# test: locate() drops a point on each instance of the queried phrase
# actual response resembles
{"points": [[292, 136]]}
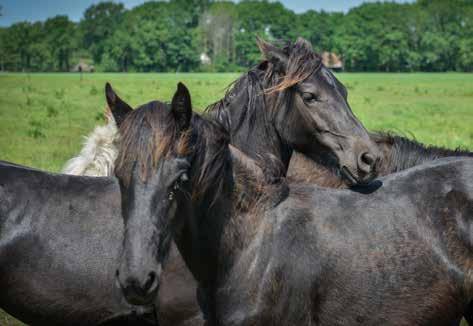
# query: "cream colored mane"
{"points": [[99, 152]]}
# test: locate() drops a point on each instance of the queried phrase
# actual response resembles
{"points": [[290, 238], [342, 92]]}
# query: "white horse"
{"points": [[99, 151]]}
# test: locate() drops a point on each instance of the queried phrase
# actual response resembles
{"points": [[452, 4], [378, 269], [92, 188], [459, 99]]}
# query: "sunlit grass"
{"points": [[44, 116]]}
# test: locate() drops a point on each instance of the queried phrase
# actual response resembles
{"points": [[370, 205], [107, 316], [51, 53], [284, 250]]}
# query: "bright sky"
{"points": [[34, 10]]}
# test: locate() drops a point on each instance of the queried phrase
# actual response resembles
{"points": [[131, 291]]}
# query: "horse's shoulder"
{"points": [[32, 183]]}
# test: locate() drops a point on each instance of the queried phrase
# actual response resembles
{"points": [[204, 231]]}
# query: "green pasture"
{"points": [[43, 117]]}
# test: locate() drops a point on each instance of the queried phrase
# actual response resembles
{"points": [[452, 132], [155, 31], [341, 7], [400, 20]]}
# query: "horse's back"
{"points": [[393, 246], [59, 239]]}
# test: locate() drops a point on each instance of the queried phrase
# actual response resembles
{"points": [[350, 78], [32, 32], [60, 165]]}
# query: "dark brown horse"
{"points": [[398, 253], [290, 101]]}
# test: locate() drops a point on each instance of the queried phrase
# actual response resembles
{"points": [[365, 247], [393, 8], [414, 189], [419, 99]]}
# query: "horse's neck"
{"points": [[227, 226], [304, 169], [400, 153], [250, 123]]}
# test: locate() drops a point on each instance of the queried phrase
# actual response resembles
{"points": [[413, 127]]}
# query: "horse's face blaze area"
{"points": [[330, 127], [153, 167]]}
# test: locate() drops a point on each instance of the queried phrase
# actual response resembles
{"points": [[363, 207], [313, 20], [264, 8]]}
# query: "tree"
{"points": [[217, 31], [99, 23], [154, 36], [270, 20], [60, 36], [428, 35], [17, 43]]}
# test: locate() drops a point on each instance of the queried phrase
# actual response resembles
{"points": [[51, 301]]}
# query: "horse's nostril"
{"points": [[150, 281], [368, 159]]}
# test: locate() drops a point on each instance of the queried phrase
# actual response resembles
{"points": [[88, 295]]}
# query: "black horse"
{"points": [[397, 154], [60, 239], [399, 254], [285, 103], [58, 234]]}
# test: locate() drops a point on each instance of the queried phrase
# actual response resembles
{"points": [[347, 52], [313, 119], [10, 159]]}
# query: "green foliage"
{"points": [[171, 36], [99, 23]]}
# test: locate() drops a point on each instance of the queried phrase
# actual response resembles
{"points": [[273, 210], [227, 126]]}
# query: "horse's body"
{"points": [[398, 256], [60, 238], [396, 253], [398, 154]]}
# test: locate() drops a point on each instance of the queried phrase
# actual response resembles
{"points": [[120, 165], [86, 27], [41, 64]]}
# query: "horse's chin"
{"points": [[145, 315], [352, 179]]}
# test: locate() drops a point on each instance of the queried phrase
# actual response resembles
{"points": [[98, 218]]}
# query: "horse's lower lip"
{"points": [[349, 176]]}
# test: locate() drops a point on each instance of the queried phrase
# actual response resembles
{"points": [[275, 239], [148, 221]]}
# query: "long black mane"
{"points": [[402, 153], [251, 103]]}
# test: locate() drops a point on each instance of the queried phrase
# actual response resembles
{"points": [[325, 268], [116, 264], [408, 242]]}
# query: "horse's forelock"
{"points": [[302, 62], [147, 134]]}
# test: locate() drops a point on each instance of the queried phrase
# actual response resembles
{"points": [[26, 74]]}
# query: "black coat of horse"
{"points": [[58, 234], [60, 239], [292, 102], [396, 253]]}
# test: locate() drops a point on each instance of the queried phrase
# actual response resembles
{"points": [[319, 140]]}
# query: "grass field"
{"points": [[44, 116]]}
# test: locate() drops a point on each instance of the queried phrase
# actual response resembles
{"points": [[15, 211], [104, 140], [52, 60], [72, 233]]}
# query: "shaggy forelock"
{"points": [[148, 134], [302, 62]]}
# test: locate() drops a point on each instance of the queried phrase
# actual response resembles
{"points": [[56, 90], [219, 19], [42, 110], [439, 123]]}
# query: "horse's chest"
{"points": [[265, 292]]}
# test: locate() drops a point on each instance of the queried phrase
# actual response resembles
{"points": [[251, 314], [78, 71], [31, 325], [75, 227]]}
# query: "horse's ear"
{"points": [[181, 107], [272, 53], [118, 107]]}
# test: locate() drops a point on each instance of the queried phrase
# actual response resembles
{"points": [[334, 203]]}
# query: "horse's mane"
{"points": [[252, 100], [99, 151], [268, 77], [252, 179], [401, 153], [150, 133], [146, 135]]}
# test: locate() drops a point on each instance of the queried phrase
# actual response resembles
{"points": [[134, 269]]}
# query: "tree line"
{"points": [[206, 35]]}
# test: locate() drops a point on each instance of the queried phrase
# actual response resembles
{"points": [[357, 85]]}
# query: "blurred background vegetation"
{"points": [[43, 117], [217, 36]]}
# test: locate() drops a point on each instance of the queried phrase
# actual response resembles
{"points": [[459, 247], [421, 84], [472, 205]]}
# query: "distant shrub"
{"points": [[51, 111], [59, 94], [36, 129], [99, 117], [93, 91], [107, 64]]}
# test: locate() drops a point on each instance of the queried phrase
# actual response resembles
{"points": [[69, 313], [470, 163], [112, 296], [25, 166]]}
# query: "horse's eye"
{"points": [[183, 178], [309, 97]]}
